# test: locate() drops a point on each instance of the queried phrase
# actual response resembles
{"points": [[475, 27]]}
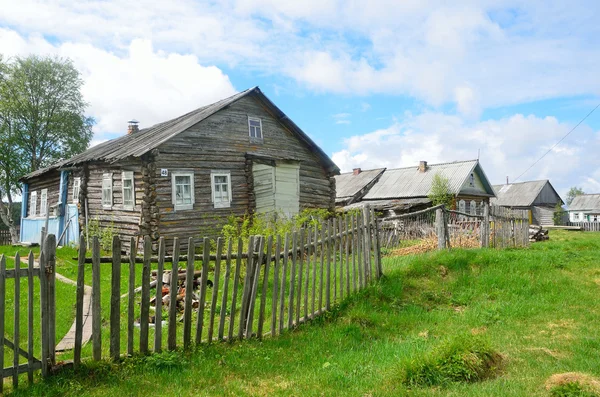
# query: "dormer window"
{"points": [[255, 129], [472, 180]]}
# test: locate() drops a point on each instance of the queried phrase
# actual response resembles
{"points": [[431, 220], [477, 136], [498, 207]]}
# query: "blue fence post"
{"points": [[24, 204]]}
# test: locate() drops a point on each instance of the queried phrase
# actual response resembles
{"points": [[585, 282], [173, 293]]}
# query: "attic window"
{"points": [[255, 128], [472, 180]]}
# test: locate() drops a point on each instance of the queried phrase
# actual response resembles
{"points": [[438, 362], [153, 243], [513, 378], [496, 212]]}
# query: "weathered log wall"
{"points": [[50, 181]]}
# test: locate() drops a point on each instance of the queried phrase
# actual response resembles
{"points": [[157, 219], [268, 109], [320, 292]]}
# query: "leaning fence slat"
{"points": [[286, 249], [215, 291], [30, 263], [17, 320], [236, 280], [292, 280], [300, 269], [187, 303], [367, 249], [145, 304], [174, 283], [321, 267], [253, 294], [96, 308], [359, 251], [314, 273], [160, 268], [247, 289], [263, 295], [131, 296], [44, 314], [341, 240], [275, 286], [328, 270], [115, 300], [307, 276], [50, 250], [203, 284], [79, 301], [2, 312], [354, 249], [223, 313]]}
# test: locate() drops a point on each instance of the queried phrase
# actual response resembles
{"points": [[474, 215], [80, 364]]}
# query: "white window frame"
{"points": [[107, 184], [128, 175], [250, 127], [76, 188], [43, 202], [33, 204], [576, 216], [181, 207], [473, 207], [213, 175]]}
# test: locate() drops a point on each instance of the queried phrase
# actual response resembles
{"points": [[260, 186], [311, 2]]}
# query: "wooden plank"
{"points": [[367, 250], [131, 296], [79, 301], [115, 300], [50, 250], [174, 284], [359, 251], [347, 244], [225, 296], [292, 280], [377, 254], [215, 291], [314, 273], [187, 304], [247, 289], [263, 295], [341, 240], [236, 280], [96, 308], [254, 292], [160, 269], [334, 254], [30, 293], [322, 266], [307, 277], [203, 285], [328, 269], [17, 319], [2, 313], [145, 304], [354, 249], [22, 368], [275, 296], [300, 269], [44, 315], [282, 285]]}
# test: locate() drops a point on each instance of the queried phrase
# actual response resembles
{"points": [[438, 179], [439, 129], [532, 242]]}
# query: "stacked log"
{"points": [[537, 233]]}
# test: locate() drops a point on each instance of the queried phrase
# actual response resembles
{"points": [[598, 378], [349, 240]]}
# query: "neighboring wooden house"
{"points": [[406, 189], [185, 176], [585, 208], [538, 197], [352, 186]]}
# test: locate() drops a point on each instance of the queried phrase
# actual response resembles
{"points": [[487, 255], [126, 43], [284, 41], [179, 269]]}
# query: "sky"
{"points": [[379, 83]]}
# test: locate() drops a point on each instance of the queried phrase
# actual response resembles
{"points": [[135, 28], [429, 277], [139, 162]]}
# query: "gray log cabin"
{"points": [[184, 177]]}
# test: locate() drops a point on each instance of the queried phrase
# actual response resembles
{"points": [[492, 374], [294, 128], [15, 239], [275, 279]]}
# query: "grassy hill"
{"points": [[459, 323]]}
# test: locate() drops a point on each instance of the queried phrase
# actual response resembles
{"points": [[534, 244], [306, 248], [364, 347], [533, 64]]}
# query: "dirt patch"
{"points": [[478, 331], [586, 383], [545, 350]]}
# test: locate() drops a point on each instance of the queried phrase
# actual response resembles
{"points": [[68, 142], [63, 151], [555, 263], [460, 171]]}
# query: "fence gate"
{"points": [[20, 348]]}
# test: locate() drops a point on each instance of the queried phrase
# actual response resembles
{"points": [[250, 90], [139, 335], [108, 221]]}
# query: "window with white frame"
{"points": [[76, 187], [33, 205], [221, 188], [183, 190], [255, 127], [128, 190], [44, 202], [473, 208], [107, 191], [576, 216]]}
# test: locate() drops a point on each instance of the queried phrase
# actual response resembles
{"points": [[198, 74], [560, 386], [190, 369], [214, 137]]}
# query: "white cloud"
{"points": [[508, 147], [342, 118], [150, 86]]}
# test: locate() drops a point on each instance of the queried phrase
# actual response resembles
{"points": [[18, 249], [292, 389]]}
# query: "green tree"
{"points": [[440, 191], [572, 193], [559, 213], [42, 120]]}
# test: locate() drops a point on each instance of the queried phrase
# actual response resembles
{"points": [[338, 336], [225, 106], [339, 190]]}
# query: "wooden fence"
{"points": [[5, 237], [586, 226]]}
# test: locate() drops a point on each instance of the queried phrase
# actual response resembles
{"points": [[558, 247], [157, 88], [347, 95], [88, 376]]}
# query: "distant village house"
{"points": [[538, 197], [585, 208]]}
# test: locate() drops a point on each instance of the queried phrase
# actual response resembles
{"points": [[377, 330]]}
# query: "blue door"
{"points": [[71, 225]]}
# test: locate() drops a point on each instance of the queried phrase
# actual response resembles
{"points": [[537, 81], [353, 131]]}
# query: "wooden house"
{"points": [[406, 189], [184, 177], [585, 208], [538, 197]]}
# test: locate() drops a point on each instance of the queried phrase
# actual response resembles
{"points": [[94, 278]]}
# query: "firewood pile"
{"points": [[536, 233]]}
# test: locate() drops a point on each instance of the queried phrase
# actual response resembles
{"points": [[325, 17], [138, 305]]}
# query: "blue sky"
{"points": [[378, 83]]}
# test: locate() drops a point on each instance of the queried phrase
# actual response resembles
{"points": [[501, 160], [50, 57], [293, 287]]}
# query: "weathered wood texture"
{"points": [[50, 181]]}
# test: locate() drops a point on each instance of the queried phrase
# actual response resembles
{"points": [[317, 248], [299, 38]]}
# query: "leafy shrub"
{"points": [[571, 389], [464, 359], [165, 361], [105, 234]]}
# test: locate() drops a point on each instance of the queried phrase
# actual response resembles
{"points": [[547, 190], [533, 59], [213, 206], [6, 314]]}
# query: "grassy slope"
{"points": [[538, 307]]}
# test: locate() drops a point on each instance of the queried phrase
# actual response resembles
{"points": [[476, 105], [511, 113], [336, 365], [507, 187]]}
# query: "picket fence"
{"points": [[586, 226]]}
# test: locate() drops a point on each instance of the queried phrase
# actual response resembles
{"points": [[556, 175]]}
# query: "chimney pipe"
{"points": [[507, 179], [356, 171], [422, 166], [133, 126]]}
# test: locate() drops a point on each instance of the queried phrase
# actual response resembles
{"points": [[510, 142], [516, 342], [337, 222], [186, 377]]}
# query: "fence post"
{"points": [[375, 228], [441, 230], [50, 274], [485, 226]]}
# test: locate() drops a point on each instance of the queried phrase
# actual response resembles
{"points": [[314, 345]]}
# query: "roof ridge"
{"points": [[372, 169], [431, 165]]}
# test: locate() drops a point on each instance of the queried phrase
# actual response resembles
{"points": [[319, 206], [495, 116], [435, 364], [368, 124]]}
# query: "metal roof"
{"points": [[586, 202], [410, 182], [348, 184], [521, 194], [389, 204], [141, 142]]}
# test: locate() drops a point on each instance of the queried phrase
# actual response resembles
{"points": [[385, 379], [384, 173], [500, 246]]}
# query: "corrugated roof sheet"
{"points": [[521, 194], [586, 202], [410, 182], [389, 204], [348, 184], [141, 142]]}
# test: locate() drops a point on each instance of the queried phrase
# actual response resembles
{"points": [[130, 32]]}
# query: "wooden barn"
{"points": [[538, 197], [402, 190], [184, 177]]}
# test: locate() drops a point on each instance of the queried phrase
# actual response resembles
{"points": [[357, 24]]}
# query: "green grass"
{"points": [[536, 308]]}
